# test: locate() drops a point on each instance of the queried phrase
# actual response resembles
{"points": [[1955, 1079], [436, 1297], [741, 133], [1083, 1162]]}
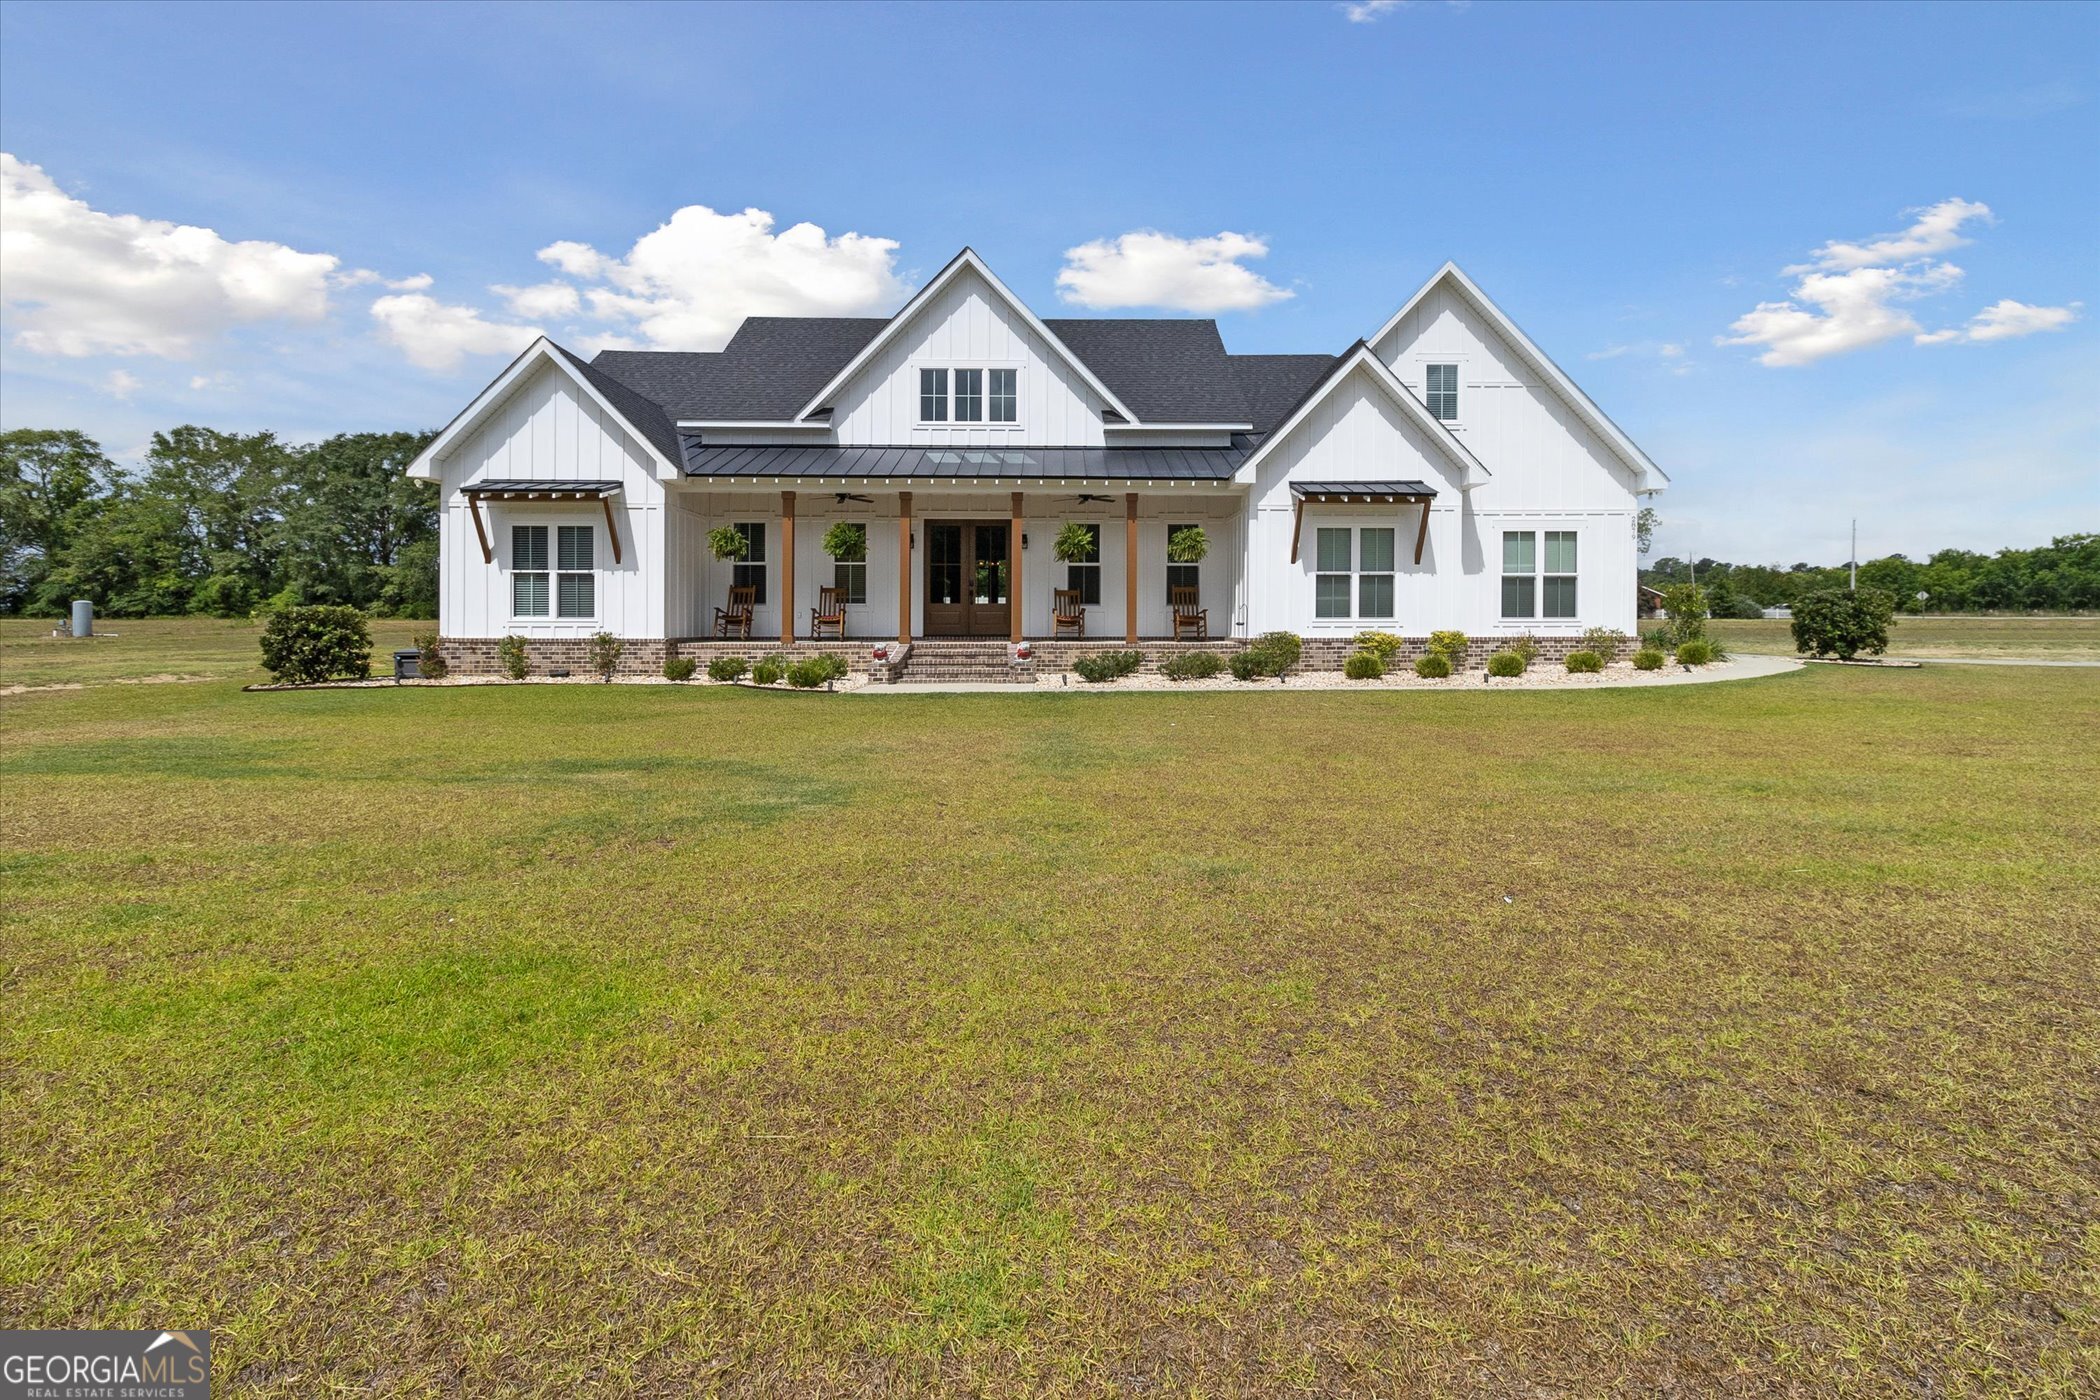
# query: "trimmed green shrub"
{"points": [[1648, 659], [1433, 666], [1586, 662], [1245, 666], [1364, 666], [727, 542], [430, 661], [1450, 645], [605, 654], [1524, 647], [1274, 652], [1606, 642], [1107, 665], [727, 668], [680, 668], [1192, 666], [811, 672], [301, 645], [510, 657], [832, 665], [1187, 545], [1505, 664], [1384, 644], [1696, 652], [1837, 622], [768, 671]]}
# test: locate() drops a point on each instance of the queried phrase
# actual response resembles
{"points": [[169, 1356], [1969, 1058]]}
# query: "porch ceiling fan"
{"points": [[1083, 498], [845, 496]]}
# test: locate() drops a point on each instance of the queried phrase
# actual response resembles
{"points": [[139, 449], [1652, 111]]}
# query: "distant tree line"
{"points": [[2061, 576], [216, 523]]}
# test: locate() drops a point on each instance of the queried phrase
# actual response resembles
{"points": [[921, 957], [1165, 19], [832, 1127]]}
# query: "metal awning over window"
{"points": [[1361, 493], [599, 491]]}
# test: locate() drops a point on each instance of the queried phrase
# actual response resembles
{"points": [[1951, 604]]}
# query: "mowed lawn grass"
{"points": [[165, 649], [2064, 638], [1716, 1039]]}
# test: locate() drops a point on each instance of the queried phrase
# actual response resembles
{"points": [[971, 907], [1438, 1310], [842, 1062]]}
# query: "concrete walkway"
{"points": [[1741, 667]]}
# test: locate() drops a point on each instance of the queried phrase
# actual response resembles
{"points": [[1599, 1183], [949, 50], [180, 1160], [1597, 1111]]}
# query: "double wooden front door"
{"points": [[967, 578]]}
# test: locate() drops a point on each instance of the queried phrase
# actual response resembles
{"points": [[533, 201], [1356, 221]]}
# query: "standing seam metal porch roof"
{"points": [[964, 463]]}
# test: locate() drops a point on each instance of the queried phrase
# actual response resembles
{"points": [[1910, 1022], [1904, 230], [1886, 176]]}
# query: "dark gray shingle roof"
{"points": [[1273, 385], [766, 373], [1167, 371]]}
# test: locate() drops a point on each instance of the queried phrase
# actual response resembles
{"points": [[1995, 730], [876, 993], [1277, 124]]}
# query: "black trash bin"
{"points": [[408, 665]]}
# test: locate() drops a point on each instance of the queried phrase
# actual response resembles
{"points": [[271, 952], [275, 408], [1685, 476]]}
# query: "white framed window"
{"points": [[1442, 384], [969, 396], [1084, 574], [575, 576], [750, 571], [1353, 571], [933, 396], [850, 577], [1530, 590], [567, 590], [529, 592], [1182, 575]]}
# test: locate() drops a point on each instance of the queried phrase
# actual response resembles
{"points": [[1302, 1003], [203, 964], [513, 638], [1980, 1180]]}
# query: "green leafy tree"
{"points": [[356, 529], [51, 485], [1842, 623]]}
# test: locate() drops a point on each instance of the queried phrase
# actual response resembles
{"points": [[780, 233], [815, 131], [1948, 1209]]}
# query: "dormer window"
{"points": [[969, 395], [933, 396], [1443, 391]]}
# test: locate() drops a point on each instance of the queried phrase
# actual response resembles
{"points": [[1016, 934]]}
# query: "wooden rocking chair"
{"points": [[1187, 616], [735, 620], [1067, 614], [829, 614]]}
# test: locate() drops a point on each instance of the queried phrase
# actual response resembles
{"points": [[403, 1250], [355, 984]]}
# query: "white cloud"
{"points": [[1850, 295], [543, 300], [121, 384], [437, 336], [1152, 269], [82, 282], [1936, 230], [1844, 311], [690, 283], [420, 282], [1670, 353], [2006, 320], [1365, 11]]}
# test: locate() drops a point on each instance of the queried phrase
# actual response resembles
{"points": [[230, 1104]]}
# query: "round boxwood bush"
{"points": [[768, 671], [1505, 664], [1270, 654], [1586, 661], [1192, 666], [1648, 659], [1108, 666], [317, 642], [1433, 666], [1364, 666], [680, 668], [1385, 644], [1694, 652], [727, 668]]}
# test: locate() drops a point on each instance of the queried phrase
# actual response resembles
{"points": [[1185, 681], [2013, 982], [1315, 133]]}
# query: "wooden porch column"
{"points": [[904, 566], [787, 568], [1013, 582], [1130, 567]]}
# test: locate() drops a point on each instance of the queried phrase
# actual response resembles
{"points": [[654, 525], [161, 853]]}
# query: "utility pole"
{"points": [[1855, 554]]}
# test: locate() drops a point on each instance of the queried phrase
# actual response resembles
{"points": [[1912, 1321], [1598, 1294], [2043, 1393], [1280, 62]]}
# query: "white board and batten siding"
{"points": [[550, 430], [967, 325], [1358, 434]]}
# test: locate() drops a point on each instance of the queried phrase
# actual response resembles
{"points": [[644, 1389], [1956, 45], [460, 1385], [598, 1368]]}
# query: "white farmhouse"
{"points": [[1441, 473]]}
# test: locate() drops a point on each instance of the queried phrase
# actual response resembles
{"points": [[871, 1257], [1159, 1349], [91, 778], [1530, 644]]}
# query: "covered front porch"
{"points": [[946, 559]]}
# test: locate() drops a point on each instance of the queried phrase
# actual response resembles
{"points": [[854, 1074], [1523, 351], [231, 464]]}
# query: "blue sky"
{"points": [[1630, 183]]}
